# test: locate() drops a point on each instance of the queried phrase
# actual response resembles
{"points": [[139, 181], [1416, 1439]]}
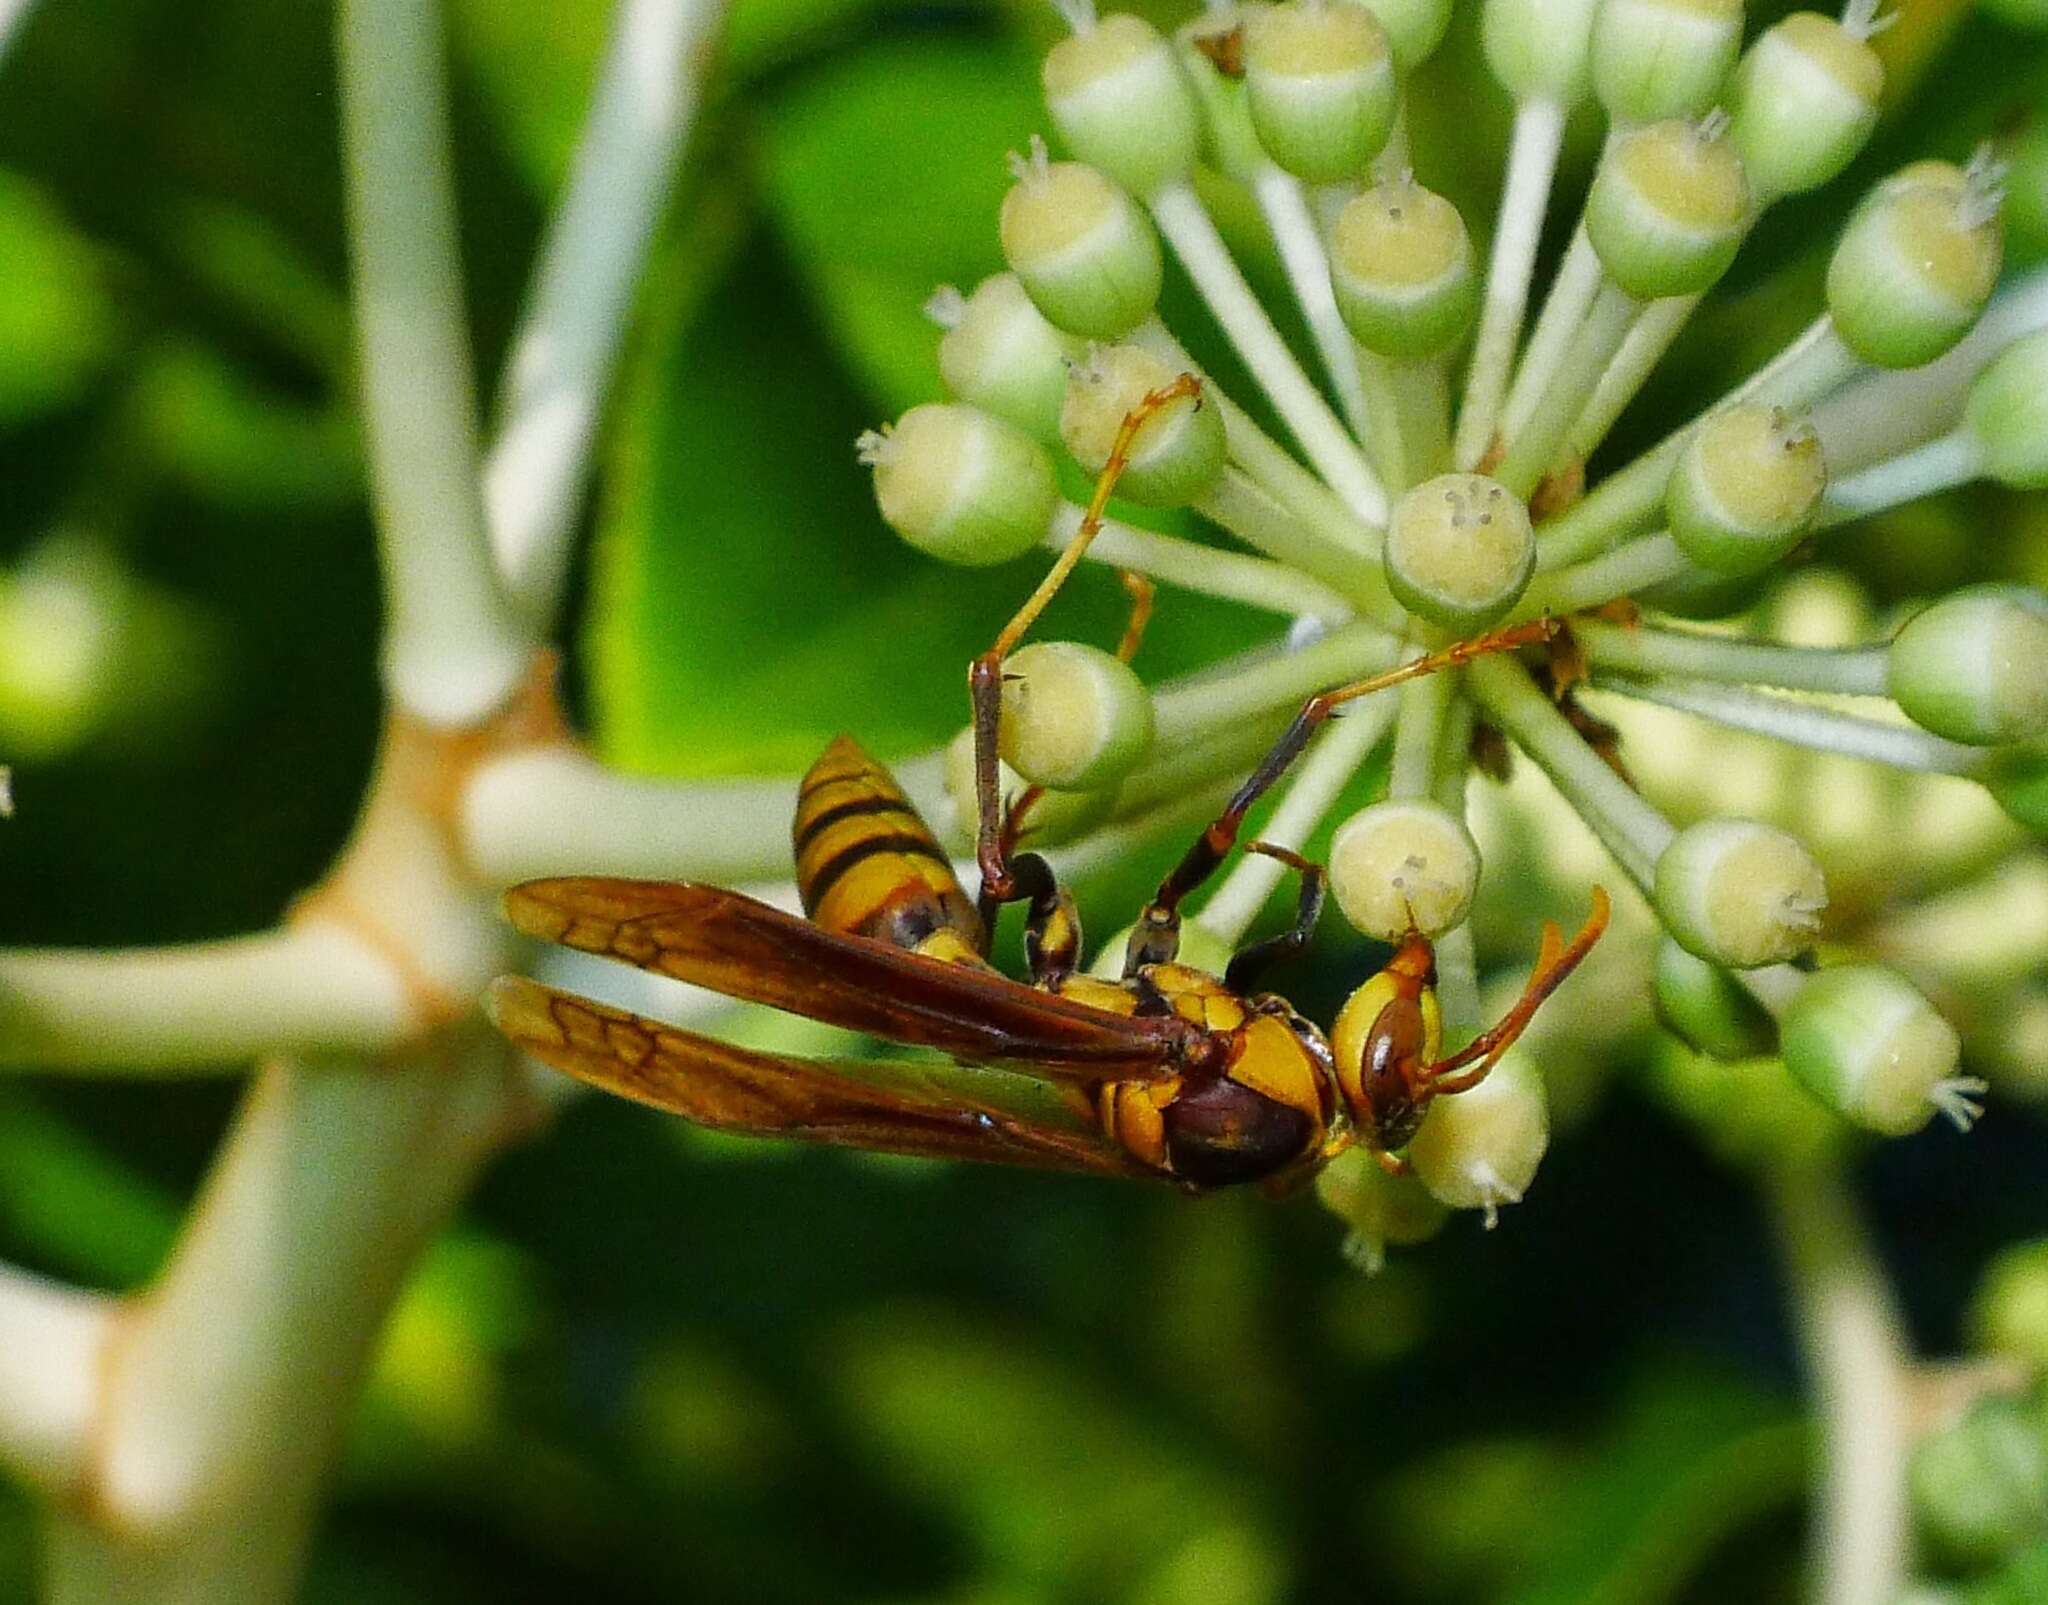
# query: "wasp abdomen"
{"points": [[1222, 1132]]}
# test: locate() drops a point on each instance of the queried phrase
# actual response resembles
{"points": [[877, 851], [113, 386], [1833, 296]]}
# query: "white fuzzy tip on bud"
{"points": [[1121, 102], [999, 353], [2008, 413], [1480, 1149], [1974, 666], [1401, 267], [1805, 99], [1084, 252], [1459, 550], [1057, 816], [1399, 866], [1414, 29], [1739, 893], [961, 485], [1538, 49], [1177, 452], [1864, 1042], [1379, 1209], [1745, 489], [1917, 262], [1319, 81], [1200, 949], [1655, 59], [1074, 717], [1668, 208]]}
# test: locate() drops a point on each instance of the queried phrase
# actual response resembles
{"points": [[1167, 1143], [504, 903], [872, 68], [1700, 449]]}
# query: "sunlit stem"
{"points": [[1256, 582], [1525, 194], [1733, 660], [1806, 724], [1564, 310], [1307, 264], [1188, 228], [52, 1350], [1651, 336], [1534, 449], [1631, 567], [1419, 735], [1633, 832], [1411, 400], [1320, 778], [1261, 522], [1954, 459]]}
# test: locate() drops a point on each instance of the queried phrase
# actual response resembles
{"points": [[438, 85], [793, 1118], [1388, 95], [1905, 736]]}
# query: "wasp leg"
{"points": [[1245, 969], [999, 880]]}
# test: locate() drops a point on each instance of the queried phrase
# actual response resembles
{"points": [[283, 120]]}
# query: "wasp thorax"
{"points": [[1398, 867], [1176, 453], [1074, 717], [1084, 252], [1460, 550]]}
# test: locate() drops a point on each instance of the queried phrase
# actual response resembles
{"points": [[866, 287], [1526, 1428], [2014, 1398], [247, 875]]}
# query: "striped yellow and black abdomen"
{"points": [[868, 865]]}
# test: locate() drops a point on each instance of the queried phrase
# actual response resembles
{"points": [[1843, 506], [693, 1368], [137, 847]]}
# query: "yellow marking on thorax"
{"points": [[1099, 994], [1432, 1026], [1198, 996], [1272, 1060]]}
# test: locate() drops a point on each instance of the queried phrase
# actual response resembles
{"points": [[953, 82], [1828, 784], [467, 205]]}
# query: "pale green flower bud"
{"points": [[1805, 99], [2008, 413], [1057, 816], [1200, 949], [1668, 208], [1120, 101], [1655, 59], [1401, 266], [1177, 452], [1400, 865], [1459, 550], [1745, 489], [1974, 666], [1916, 264], [2009, 1315], [1229, 142], [2018, 781], [1864, 1042], [1707, 1008], [1319, 80], [1538, 48], [961, 485], [1739, 893], [1378, 1208], [999, 353], [1074, 717], [1414, 29], [1980, 1488], [1479, 1149], [1083, 250]]}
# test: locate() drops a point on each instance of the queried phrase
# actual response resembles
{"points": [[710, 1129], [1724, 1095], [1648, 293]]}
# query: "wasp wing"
{"points": [[938, 1110], [737, 945]]}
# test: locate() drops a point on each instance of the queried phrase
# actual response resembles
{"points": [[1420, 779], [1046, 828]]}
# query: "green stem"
{"points": [[1256, 582], [1424, 704], [1645, 561], [1733, 660], [1238, 504], [1209, 703], [1307, 263], [1534, 448]]}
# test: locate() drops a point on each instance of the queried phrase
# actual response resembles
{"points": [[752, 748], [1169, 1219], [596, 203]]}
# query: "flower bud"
{"points": [[1215, 39], [1200, 949], [1399, 866], [1057, 816], [1707, 1008], [1401, 266], [1980, 1488], [1805, 99], [1378, 1208], [1177, 452], [1084, 252], [1414, 29], [1668, 208], [960, 485], [1480, 1149], [2008, 413], [1074, 717], [1974, 667], [2017, 779], [1538, 48], [999, 353], [1745, 489], [1319, 80], [1120, 101], [1654, 59], [2009, 1315], [1916, 264], [1459, 550], [1739, 893], [1864, 1042]]}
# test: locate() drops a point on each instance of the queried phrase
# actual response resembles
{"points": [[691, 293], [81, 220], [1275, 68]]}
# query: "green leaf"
{"points": [[58, 323], [535, 66]]}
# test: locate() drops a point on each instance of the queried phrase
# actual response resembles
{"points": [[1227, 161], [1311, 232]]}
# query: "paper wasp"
{"points": [[1165, 1072]]}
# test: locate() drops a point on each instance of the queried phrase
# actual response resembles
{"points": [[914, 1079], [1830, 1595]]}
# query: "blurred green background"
{"points": [[648, 1365]]}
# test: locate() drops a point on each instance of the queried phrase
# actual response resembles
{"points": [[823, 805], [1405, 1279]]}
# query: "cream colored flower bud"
{"points": [[1118, 97], [1480, 1149], [1805, 99], [1916, 264], [1074, 717], [962, 485], [1459, 550], [1745, 489], [1397, 866], [1001, 354], [1654, 59], [1086, 255], [1870, 1047], [1668, 208], [1319, 80], [1378, 1208], [1401, 267], [1177, 452], [1740, 893]]}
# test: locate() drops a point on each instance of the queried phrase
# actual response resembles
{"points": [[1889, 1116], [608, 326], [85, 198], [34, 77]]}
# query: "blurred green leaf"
{"points": [[58, 322], [535, 66], [83, 1215]]}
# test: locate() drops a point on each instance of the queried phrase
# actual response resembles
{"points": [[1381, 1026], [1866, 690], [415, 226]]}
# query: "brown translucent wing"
{"points": [[938, 1110], [737, 945]]}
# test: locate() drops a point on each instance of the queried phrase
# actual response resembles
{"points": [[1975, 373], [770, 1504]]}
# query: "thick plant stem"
{"points": [[1856, 1353], [1300, 244], [1534, 449], [1256, 582], [455, 648], [568, 342], [1733, 659], [1564, 309]]}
